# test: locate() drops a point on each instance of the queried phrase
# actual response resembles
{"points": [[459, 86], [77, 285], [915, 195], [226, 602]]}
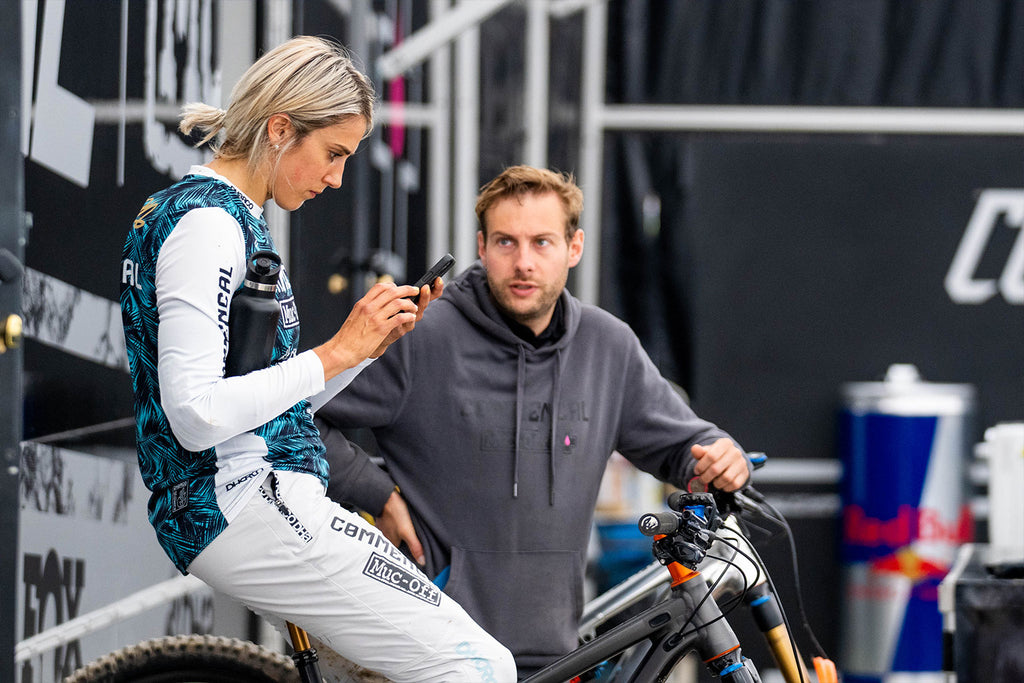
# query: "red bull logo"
{"points": [[887, 546], [924, 574], [910, 524]]}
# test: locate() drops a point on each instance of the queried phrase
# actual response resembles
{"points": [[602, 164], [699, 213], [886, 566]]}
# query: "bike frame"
{"points": [[689, 620], [726, 570], [732, 571]]}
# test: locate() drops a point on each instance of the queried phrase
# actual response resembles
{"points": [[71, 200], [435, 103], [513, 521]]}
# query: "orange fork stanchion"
{"points": [[305, 657]]}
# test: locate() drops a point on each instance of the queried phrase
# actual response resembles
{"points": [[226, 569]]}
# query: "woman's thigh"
{"points": [[293, 554]]}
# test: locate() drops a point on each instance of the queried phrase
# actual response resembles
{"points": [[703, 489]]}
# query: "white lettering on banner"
{"points": [[962, 285], [58, 131], [59, 136], [190, 25]]}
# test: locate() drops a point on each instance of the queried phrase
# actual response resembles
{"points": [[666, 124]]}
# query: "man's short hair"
{"points": [[517, 181]]}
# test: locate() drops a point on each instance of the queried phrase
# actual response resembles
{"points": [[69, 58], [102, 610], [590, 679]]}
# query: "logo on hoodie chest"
{"points": [[534, 440], [535, 433], [540, 411]]}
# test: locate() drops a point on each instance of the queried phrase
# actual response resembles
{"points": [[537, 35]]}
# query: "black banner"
{"points": [[818, 261]]}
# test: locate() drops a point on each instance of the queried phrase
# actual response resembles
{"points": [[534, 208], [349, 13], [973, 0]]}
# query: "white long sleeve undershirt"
{"points": [[204, 408]]}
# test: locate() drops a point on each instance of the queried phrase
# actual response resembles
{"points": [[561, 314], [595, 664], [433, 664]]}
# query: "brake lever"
{"points": [[749, 499]]}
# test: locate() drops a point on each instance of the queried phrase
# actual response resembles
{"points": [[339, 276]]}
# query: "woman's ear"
{"points": [[279, 129]]}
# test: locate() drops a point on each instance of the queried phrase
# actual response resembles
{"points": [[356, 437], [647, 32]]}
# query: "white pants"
{"points": [[293, 554]]}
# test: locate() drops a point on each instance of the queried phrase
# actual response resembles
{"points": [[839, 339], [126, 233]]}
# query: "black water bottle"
{"points": [[252, 323]]}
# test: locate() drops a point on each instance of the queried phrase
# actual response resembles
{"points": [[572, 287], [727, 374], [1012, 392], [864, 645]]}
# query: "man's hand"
{"points": [[427, 294], [396, 524], [721, 465]]}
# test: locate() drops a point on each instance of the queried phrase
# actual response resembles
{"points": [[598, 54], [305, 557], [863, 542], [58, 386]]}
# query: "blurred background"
{"points": [[782, 198]]}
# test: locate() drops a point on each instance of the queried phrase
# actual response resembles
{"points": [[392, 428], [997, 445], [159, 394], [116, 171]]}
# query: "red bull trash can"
{"points": [[905, 445]]}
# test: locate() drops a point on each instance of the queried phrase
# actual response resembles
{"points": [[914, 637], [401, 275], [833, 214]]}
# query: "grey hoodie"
{"points": [[500, 493]]}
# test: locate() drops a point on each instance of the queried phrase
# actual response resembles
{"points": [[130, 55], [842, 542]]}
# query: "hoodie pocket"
{"points": [[528, 600]]}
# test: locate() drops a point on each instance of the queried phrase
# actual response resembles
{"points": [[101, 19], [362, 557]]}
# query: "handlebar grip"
{"points": [[658, 523], [757, 459]]}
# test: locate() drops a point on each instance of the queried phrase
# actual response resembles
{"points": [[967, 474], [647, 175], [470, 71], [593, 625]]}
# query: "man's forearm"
{"points": [[354, 479]]}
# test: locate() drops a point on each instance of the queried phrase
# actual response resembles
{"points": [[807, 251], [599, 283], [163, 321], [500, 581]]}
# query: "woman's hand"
{"points": [[427, 294], [384, 311]]}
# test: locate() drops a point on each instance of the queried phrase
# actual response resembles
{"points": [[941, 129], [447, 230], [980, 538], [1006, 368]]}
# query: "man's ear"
{"points": [[576, 248], [481, 242]]}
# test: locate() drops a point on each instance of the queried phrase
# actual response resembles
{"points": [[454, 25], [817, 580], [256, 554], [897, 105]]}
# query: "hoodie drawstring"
{"points": [[520, 381], [556, 391]]}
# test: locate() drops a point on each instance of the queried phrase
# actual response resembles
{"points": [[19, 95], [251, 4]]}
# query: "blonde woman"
{"points": [[235, 464]]}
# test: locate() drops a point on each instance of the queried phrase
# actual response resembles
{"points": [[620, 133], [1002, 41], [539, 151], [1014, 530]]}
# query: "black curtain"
{"points": [[906, 53]]}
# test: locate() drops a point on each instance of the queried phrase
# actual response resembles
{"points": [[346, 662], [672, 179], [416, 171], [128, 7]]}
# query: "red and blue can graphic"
{"points": [[905, 446]]}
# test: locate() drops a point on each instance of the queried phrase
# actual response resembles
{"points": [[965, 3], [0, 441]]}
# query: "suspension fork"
{"points": [[304, 655], [768, 616], [716, 643]]}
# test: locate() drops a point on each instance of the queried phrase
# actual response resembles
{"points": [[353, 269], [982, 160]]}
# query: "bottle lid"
{"points": [[263, 268]]}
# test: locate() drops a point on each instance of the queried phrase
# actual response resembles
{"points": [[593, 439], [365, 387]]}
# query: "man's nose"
{"points": [[524, 259]]}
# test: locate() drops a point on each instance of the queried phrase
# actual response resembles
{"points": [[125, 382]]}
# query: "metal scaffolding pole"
{"points": [[892, 120], [538, 63], [467, 144], [441, 30], [595, 30], [12, 236], [439, 180]]}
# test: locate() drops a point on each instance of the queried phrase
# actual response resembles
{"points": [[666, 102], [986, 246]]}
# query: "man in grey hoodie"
{"points": [[497, 418]]}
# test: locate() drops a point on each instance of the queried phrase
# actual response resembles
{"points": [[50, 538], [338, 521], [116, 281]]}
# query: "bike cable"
{"points": [[710, 593], [823, 664], [732, 601], [732, 604], [785, 617], [755, 559]]}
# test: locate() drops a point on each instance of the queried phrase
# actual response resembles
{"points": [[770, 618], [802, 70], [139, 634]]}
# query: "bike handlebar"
{"points": [[659, 523]]}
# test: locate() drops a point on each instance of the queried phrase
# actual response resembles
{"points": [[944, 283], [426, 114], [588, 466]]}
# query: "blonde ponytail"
{"points": [[209, 120]]}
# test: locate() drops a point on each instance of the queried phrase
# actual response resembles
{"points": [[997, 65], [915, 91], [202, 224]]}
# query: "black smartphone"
{"points": [[443, 265]]}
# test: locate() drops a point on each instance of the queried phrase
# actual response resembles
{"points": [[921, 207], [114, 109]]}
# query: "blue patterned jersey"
{"points": [[187, 504]]}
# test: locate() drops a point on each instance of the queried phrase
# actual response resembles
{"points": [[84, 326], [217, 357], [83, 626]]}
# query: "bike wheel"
{"points": [[189, 659]]}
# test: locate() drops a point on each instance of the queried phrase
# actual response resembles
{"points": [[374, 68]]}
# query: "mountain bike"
{"points": [[712, 569], [704, 568]]}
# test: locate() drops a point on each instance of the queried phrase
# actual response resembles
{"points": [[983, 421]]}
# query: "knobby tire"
{"points": [[189, 659]]}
